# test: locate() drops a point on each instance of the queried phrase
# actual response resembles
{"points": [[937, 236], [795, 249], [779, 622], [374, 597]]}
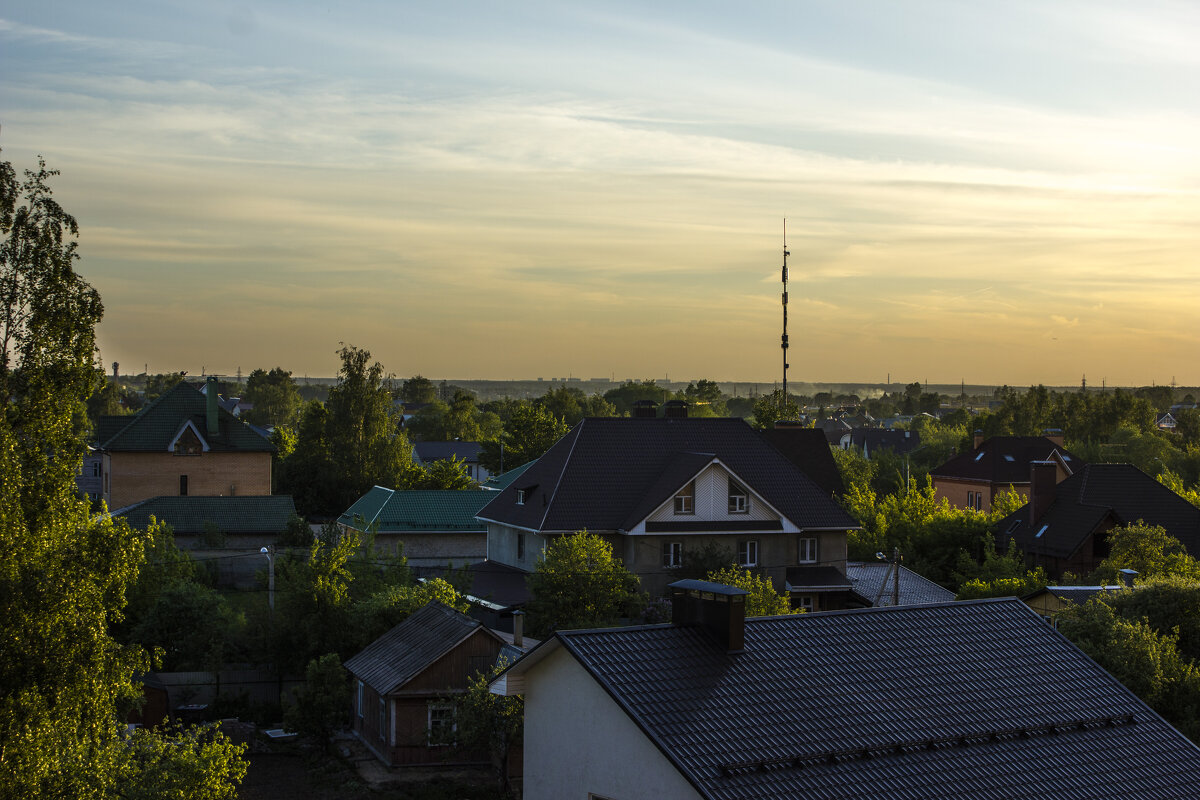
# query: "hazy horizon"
{"points": [[541, 189]]}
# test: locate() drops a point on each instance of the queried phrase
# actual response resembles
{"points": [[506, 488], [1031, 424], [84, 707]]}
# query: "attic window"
{"points": [[685, 501], [520, 497], [1041, 530], [978, 457], [739, 500]]}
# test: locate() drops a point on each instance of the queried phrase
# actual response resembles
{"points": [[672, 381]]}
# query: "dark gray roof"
{"points": [[867, 579], [875, 439], [438, 451], [258, 514], [401, 654], [604, 471], [1079, 595], [808, 449], [1093, 495], [1005, 460], [816, 577], [505, 479], [976, 699]]}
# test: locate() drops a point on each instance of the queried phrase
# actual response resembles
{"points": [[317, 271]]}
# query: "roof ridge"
{"points": [[578, 431], [146, 410]]}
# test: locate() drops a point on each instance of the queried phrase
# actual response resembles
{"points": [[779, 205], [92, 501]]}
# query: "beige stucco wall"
{"points": [[137, 476], [956, 491], [577, 740]]}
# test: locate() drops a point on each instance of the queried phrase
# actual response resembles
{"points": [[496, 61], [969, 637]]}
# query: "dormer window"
{"points": [[188, 444], [739, 499], [685, 501], [520, 497]]}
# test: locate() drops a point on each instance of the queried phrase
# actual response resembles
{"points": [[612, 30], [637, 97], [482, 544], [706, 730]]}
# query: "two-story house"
{"points": [[974, 478], [659, 489]]}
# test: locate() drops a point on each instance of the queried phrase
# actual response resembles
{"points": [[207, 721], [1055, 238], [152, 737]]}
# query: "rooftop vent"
{"points": [[645, 409], [720, 608], [675, 409]]}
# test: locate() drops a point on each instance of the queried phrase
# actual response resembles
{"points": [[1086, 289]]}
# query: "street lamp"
{"points": [[267, 551]]}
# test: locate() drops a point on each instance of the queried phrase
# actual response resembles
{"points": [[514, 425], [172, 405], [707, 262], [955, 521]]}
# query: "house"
{"points": [[90, 478], [974, 478], [430, 527], [425, 453], [182, 444], [1050, 600], [876, 584], [657, 489], [869, 441], [405, 683], [808, 450], [1166, 422], [975, 699], [495, 483], [1063, 527]]}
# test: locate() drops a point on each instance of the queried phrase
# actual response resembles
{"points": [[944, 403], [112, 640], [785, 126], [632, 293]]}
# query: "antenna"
{"points": [[784, 340]]}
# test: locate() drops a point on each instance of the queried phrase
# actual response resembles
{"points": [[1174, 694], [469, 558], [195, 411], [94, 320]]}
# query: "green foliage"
{"points": [[528, 434], [190, 624], [579, 583], [158, 385], [193, 763], [109, 399], [275, 397], [446, 473], [490, 722], [762, 600], [1147, 549], [298, 533], [459, 419], [1170, 605], [380, 612], [711, 556], [705, 399], [322, 706], [629, 393], [418, 389], [998, 574], [213, 537], [774, 406], [570, 405]]}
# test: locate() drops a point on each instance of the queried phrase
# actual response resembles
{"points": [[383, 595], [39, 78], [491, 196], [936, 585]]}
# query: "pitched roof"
{"points": [[867, 578], [418, 510], [600, 473], [154, 427], [1005, 460], [1093, 495], [399, 655], [894, 439], [816, 577], [437, 451], [1079, 595], [495, 483], [808, 449], [976, 698], [188, 515]]}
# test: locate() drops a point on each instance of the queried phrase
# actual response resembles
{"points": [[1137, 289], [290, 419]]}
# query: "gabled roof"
{"points": [[403, 653], [808, 449], [418, 510], [153, 428], [1005, 460], [867, 578], [1094, 496], [188, 515], [1079, 595], [495, 483], [894, 439], [930, 702], [438, 451], [599, 474]]}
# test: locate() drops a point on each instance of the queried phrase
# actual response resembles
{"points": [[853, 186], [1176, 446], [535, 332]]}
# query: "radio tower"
{"points": [[784, 340]]}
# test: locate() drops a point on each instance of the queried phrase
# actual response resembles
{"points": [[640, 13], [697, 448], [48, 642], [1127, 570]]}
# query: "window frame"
{"points": [[684, 502], [383, 719], [672, 555], [361, 692], [183, 485], [520, 547], [738, 492], [440, 706], [747, 553], [807, 603], [520, 497], [813, 548]]}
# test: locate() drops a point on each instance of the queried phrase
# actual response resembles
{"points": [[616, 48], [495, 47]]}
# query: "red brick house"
{"points": [[974, 478]]}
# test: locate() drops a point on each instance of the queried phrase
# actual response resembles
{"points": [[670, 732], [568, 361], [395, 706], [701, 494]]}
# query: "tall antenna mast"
{"points": [[784, 340]]}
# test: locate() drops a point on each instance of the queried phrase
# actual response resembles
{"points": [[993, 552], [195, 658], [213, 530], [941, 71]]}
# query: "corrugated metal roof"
{"points": [[419, 510], [868, 578]]}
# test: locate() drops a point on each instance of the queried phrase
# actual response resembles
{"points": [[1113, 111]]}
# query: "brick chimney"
{"points": [[1055, 435], [1043, 485], [675, 409], [210, 407], [720, 608], [645, 409], [978, 440]]}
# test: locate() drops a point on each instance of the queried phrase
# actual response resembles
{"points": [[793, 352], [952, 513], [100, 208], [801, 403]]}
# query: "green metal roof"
{"points": [[154, 427], [186, 515], [418, 511], [504, 479]]}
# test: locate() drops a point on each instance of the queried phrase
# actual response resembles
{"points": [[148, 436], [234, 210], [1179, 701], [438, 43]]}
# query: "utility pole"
{"points": [[895, 575], [784, 340]]}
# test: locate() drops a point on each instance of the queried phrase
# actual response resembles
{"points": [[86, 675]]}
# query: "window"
{"points": [[808, 550], [95, 469], [183, 485], [970, 499], [748, 553], [520, 547], [805, 603], [520, 497], [672, 554], [383, 719], [441, 724], [360, 699], [739, 499], [685, 501]]}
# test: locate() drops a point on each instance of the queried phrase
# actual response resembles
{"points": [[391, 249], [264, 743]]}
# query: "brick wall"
{"points": [[137, 476]]}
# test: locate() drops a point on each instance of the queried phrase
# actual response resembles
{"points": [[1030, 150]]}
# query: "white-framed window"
{"points": [[383, 719], [970, 499], [739, 499], [672, 554], [95, 469], [520, 546], [748, 553], [806, 603], [520, 497], [808, 550], [441, 725], [685, 501], [360, 699]]}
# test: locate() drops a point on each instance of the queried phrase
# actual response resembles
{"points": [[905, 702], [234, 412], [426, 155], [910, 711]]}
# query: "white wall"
{"points": [[712, 500], [577, 740]]}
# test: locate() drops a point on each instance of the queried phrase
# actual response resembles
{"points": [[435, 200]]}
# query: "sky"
{"points": [[996, 192]]}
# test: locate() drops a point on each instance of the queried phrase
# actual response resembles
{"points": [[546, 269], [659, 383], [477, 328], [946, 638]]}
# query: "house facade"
{"points": [[430, 527], [974, 478], [661, 489]]}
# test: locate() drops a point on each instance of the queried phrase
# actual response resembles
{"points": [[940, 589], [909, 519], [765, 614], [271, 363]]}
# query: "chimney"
{"points": [[1127, 576], [978, 439], [645, 409], [519, 629], [1042, 485], [1055, 435], [789, 423], [210, 408], [675, 409], [720, 608]]}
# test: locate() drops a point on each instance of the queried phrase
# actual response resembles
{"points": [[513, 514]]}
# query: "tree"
{"points": [[158, 385], [63, 574], [445, 473], [190, 624], [705, 398], [275, 397], [629, 393], [774, 406], [579, 583], [491, 722], [197, 763], [322, 704], [762, 600], [529, 433], [1150, 550], [418, 389]]}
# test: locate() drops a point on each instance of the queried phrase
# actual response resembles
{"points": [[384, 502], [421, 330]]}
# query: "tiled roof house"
{"points": [[431, 527], [976, 699], [656, 488], [974, 478]]}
